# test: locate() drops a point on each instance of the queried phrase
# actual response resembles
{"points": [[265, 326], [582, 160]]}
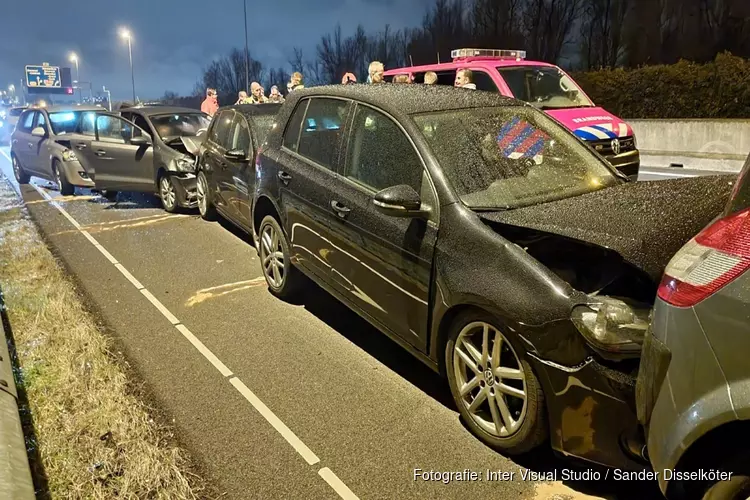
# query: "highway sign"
{"points": [[44, 76]]}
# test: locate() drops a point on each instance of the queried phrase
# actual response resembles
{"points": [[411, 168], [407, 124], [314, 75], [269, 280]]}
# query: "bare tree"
{"points": [[602, 42], [338, 55], [227, 75], [497, 23], [277, 76], [548, 25]]}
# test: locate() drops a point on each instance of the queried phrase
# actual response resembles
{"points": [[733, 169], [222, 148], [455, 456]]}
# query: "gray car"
{"points": [[693, 391], [41, 146]]}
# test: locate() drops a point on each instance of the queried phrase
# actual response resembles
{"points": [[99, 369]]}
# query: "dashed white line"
{"points": [[337, 484], [276, 422], [295, 442], [211, 357]]}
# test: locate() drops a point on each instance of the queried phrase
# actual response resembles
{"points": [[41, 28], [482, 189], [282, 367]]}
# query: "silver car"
{"points": [[693, 391], [41, 146]]}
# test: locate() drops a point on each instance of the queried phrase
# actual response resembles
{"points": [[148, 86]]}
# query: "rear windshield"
{"points": [[262, 125], [546, 87], [740, 199], [509, 157]]}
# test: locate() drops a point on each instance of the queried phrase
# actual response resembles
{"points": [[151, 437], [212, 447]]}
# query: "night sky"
{"points": [[174, 39]]}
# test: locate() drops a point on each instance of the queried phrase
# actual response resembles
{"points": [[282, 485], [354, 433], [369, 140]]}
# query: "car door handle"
{"points": [[284, 177], [100, 152], [31, 145], [340, 209], [81, 146]]}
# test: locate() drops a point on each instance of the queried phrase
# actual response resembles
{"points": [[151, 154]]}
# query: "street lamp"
{"points": [[74, 59], [124, 33]]}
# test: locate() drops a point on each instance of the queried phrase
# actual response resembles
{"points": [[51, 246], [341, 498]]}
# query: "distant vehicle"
{"points": [[41, 146], [8, 122], [524, 274], [144, 149], [547, 87], [226, 168], [694, 377]]}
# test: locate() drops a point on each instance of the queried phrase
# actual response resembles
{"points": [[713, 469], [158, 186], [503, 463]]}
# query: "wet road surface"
{"points": [[273, 400]]}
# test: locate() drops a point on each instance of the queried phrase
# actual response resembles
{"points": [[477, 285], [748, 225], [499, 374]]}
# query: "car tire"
{"points": [[66, 188], [110, 195], [736, 488], [283, 278], [203, 193], [21, 176], [512, 425], [168, 194]]}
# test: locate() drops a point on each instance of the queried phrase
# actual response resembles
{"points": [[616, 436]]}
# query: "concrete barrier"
{"points": [[721, 145], [15, 473]]}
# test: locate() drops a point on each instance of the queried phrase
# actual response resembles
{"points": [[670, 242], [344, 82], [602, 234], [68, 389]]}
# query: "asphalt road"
{"points": [[271, 399]]}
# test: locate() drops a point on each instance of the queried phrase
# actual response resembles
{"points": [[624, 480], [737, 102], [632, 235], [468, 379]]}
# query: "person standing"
{"points": [[348, 78], [211, 103], [465, 79], [296, 82], [430, 78], [242, 98], [257, 94], [375, 72], [275, 95]]}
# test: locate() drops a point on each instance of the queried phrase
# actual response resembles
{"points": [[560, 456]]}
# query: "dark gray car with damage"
{"points": [[484, 238]]}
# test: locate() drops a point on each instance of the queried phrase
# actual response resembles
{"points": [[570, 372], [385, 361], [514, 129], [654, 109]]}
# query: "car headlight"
{"points": [[185, 165], [69, 155], [612, 325]]}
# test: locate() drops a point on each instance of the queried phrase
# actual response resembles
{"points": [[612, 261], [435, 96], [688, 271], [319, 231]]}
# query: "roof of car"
{"points": [[412, 98], [159, 110], [69, 107], [270, 108]]}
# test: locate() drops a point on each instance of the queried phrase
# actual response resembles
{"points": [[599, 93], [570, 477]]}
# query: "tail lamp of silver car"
{"points": [[716, 256]]}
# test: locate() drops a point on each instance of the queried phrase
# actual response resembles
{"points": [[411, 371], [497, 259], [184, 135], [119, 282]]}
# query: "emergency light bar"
{"points": [[495, 53]]}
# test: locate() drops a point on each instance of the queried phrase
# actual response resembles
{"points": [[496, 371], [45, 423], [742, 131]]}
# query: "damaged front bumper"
{"points": [[185, 185]]}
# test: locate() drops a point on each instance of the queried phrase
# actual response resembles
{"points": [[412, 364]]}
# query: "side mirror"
{"points": [[399, 201], [39, 132], [140, 140], [236, 155]]}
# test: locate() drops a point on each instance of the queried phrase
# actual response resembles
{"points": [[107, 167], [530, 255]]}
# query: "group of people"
{"points": [[376, 74], [257, 94]]}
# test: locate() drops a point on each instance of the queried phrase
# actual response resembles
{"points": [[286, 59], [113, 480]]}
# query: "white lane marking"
{"points": [[337, 484], [129, 276], [157, 304], [665, 174], [211, 357], [290, 437], [276, 422]]}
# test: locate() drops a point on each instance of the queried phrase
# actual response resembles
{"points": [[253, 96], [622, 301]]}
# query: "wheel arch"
{"points": [[161, 171], [719, 441], [444, 329], [264, 206]]}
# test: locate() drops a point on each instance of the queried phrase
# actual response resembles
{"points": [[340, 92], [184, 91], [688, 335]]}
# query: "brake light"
{"points": [[719, 254]]}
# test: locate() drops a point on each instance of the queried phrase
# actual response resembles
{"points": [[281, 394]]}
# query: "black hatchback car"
{"points": [[226, 165], [483, 237]]}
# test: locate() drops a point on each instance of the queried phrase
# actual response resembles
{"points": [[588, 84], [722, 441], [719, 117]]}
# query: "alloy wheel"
{"points": [[272, 256], [16, 168], [490, 379], [168, 195], [58, 179], [202, 193]]}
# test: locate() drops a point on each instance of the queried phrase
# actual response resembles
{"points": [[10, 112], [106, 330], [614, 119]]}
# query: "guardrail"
{"points": [[719, 145], [15, 474]]}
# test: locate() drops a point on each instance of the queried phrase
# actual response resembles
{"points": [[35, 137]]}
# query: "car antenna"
{"points": [[411, 61], [438, 54]]}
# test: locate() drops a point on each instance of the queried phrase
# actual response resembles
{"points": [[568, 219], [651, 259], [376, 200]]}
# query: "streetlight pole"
{"points": [[126, 34], [109, 97], [74, 58], [247, 52]]}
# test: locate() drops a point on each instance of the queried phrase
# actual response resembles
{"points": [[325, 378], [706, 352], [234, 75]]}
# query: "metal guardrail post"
{"points": [[15, 474]]}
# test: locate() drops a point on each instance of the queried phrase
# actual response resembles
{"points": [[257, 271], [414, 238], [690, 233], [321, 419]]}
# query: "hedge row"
{"points": [[719, 89]]}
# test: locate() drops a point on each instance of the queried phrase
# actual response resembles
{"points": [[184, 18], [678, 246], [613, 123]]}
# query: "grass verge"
{"points": [[94, 437]]}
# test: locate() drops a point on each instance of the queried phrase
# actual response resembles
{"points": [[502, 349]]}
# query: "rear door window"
{"points": [[113, 129], [41, 120], [483, 81], [239, 135], [322, 128], [446, 78]]}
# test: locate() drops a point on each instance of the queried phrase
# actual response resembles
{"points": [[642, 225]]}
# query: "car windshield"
{"points": [[546, 87], [64, 122], [180, 124], [509, 157]]}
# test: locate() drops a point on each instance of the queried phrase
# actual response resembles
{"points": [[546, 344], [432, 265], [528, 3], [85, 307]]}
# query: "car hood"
{"points": [[192, 144], [591, 124], [645, 222]]}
